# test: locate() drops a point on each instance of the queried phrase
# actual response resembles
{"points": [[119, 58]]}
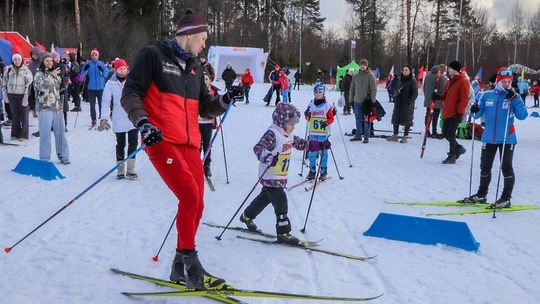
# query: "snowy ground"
{"points": [[121, 223]]}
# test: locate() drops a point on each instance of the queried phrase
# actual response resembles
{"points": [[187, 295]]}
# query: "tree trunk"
{"points": [[78, 20]]}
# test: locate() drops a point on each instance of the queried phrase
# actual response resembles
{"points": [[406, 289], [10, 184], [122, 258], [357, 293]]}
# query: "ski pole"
{"points": [[304, 155], [8, 249], [343, 139], [241, 205], [313, 192], [335, 163], [76, 117], [502, 153], [155, 258], [224, 155], [426, 130], [217, 131], [472, 155]]}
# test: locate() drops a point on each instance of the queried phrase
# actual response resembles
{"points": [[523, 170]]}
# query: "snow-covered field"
{"points": [[121, 223]]}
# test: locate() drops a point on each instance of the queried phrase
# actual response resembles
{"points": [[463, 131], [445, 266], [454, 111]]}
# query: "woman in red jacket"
{"points": [[247, 82]]}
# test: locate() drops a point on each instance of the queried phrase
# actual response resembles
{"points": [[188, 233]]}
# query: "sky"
{"points": [[122, 223], [335, 11]]}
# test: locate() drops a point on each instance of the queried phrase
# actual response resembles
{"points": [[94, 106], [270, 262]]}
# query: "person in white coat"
{"points": [[121, 125]]}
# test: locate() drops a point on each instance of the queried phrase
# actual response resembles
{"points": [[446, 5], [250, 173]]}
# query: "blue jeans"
{"points": [[54, 120], [362, 125]]}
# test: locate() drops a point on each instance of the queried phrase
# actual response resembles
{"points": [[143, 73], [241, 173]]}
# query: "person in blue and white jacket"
{"points": [[122, 126], [499, 107], [95, 72]]}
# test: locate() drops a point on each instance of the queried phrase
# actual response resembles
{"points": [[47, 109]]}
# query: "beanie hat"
{"points": [[319, 88], [285, 114], [42, 58], [191, 24], [118, 63], [351, 70], [16, 55], [504, 73], [364, 62], [55, 55], [94, 52], [44, 55], [455, 65]]}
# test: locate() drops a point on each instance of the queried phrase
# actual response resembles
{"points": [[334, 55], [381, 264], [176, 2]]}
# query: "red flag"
{"points": [[41, 47], [421, 73], [464, 69]]}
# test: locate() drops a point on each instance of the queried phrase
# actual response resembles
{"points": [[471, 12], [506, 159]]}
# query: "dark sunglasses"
{"points": [[506, 72]]}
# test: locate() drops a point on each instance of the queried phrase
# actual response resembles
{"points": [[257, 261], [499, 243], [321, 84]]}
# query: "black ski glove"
{"points": [[234, 94], [150, 134], [510, 94], [475, 108]]}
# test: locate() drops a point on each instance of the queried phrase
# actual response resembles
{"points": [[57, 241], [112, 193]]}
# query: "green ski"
{"points": [[222, 299], [440, 204], [225, 295], [486, 210]]}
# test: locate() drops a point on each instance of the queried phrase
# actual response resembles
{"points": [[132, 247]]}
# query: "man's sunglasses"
{"points": [[506, 72]]}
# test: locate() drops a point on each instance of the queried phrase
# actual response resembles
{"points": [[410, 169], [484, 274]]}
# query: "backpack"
{"points": [[464, 130], [478, 130]]}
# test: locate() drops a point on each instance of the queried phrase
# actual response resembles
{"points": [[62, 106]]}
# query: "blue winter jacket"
{"points": [[95, 79], [494, 106]]}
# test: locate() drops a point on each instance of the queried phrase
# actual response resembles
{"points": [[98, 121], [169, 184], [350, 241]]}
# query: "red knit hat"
{"points": [[94, 51], [118, 63], [504, 73], [191, 24]]}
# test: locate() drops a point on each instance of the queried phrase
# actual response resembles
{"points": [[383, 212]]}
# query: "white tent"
{"points": [[240, 59]]}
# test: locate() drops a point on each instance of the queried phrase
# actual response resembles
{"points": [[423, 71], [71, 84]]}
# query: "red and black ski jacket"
{"points": [[170, 96]]}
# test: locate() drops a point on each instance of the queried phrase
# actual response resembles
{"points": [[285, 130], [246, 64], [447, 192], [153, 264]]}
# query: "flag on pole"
{"points": [[40, 46], [59, 51], [522, 74], [353, 44], [479, 73], [421, 73], [391, 71]]}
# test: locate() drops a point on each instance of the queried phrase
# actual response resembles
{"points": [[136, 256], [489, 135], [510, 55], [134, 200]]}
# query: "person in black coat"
{"points": [[404, 98], [297, 78], [228, 75], [345, 87]]}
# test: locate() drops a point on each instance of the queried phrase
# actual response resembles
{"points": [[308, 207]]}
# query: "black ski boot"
{"points": [[207, 171], [474, 199], [250, 224], [197, 277], [311, 174], [287, 238], [283, 229], [177, 270], [501, 203]]}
